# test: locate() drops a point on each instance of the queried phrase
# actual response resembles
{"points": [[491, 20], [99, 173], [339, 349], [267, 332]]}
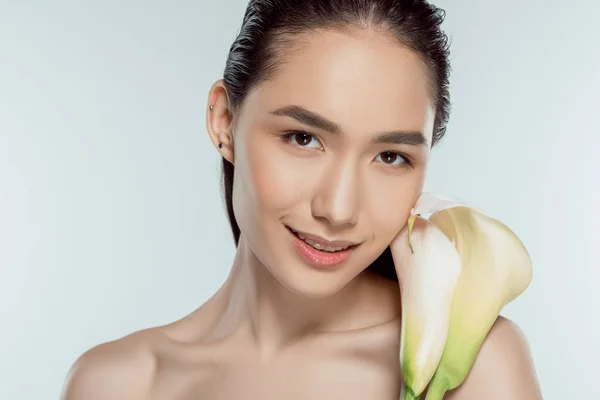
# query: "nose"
{"points": [[337, 198]]}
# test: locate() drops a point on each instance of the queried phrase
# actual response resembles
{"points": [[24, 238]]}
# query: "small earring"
{"points": [[220, 145], [210, 107]]}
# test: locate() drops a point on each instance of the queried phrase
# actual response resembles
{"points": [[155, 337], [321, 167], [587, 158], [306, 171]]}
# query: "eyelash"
{"points": [[287, 138]]}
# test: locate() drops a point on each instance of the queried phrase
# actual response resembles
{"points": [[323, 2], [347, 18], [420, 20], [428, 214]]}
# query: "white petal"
{"points": [[431, 202], [427, 281]]}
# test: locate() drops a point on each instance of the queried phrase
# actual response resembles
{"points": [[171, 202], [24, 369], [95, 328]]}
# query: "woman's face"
{"points": [[334, 145]]}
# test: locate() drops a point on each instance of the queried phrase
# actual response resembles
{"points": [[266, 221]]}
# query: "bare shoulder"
{"points": [[131, 367], [503, 368], [121, 369]]}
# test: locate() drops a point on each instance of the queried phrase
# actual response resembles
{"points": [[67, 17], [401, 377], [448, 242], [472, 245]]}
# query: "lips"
{"points": [[319, 256], [322, 242]]}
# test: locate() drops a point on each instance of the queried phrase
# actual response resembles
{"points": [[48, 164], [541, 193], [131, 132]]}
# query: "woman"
{"points": [[325, 120]]}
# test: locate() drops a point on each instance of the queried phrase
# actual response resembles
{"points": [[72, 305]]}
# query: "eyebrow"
{"points": [[310, 118]]}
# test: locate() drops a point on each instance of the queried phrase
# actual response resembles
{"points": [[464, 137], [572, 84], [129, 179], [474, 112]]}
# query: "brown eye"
{"points": [[302, 138], [393, 159], [389, 157]]}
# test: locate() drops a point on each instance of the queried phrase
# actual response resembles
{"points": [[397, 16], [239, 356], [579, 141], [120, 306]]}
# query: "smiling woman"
{"points": [[325, 119]]}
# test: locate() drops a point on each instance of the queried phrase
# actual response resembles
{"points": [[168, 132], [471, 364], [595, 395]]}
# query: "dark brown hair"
{"points": [[269, 26]]}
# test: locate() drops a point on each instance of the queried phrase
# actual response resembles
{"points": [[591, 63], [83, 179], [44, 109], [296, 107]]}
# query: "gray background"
{"points": [[110, 212]]}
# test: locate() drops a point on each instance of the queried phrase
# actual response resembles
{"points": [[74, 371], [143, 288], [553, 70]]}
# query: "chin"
{"points": [[311, 284], [307, 280]]}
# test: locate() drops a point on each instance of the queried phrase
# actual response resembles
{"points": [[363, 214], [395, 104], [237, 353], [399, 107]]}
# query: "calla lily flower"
{"points": [[428, 266], [452, 296]]}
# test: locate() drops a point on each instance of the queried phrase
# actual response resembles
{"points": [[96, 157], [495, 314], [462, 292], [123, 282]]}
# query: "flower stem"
{"points": [[408, 394]]}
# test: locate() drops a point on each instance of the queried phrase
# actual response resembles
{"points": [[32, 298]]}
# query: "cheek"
{"points": [[390, 200], [269, 176]]}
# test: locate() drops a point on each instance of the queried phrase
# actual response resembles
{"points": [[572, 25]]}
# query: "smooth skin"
{"points": [[280, 328]]}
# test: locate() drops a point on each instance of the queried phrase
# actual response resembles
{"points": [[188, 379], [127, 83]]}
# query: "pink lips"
{"points": [[320, 258]]}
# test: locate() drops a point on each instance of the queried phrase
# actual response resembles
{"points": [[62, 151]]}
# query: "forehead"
{"points": [[363, 80]]}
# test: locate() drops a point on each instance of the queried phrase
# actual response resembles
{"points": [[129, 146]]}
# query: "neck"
{"points": [[255, 304]]}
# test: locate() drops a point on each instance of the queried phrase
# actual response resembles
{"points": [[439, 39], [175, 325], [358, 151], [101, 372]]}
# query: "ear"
{"points": [[219, 118]]}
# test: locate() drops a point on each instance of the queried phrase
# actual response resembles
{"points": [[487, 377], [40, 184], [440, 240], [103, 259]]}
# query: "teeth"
{"points": [[317, 245]]}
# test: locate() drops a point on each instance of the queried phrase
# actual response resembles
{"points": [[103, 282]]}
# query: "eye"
{"points": [[392, 158], [302, 139]]}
